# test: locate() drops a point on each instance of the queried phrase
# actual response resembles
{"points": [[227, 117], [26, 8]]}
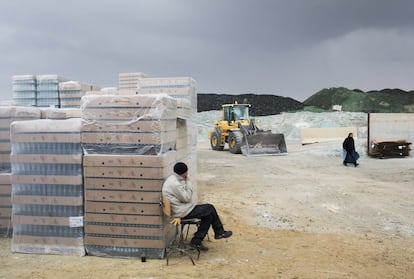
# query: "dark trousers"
{"points": [[208, 215]]}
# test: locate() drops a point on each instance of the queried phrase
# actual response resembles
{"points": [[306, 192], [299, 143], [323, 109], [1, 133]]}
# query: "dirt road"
{"points": [[303, 215]]}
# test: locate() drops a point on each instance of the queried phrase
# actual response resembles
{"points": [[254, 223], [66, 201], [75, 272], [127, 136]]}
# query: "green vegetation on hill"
{"points": [[386, 100]]}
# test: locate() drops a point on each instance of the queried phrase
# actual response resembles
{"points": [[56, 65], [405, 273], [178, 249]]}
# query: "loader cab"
{"points": [[234, 112]]}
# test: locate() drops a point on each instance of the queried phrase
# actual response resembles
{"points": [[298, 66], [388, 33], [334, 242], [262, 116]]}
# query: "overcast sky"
{"points": [[290, 48]]}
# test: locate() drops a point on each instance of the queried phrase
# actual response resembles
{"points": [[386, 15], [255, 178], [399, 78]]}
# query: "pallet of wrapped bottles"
{"points": [[47, 187]]}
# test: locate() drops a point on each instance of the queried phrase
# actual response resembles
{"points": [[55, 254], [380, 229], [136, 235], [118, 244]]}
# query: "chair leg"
{"points": [[181, 247], [181, 252], [188, 229]]}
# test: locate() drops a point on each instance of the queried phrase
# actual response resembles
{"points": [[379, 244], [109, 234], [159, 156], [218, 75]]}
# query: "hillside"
{"points": [[351, 100], [386, 100], [261, 104]]}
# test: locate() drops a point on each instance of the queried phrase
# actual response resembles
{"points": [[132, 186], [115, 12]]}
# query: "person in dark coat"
{"points": [[351, 155]]}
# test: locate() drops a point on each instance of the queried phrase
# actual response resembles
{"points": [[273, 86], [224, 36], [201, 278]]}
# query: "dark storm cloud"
{"points": [[289, 48]]}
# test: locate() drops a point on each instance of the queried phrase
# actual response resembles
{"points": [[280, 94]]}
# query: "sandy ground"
{"points": [[303, 215]]}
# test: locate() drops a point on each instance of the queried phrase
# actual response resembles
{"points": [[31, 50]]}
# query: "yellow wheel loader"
{"points": [[243, 135]]}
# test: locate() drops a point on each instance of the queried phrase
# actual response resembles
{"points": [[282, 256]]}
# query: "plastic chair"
{"points": [[180, 224]]}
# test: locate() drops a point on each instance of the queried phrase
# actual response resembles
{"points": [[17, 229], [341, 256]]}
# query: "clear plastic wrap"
{"points": [[5, 204], [71, 92], [131, 144], [24, 90], [8, 114], [184, 90], [47, 187], [47, 90], [61, 113], [128, 124]]}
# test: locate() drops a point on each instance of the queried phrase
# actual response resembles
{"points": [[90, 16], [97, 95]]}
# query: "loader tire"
{"points": [[235, 142], [215, 142]]}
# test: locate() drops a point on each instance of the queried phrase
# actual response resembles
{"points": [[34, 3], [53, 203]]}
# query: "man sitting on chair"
{"points": [[179, 191]]}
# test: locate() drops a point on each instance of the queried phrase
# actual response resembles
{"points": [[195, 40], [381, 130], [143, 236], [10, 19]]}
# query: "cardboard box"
{"points": [[153, 232], [123, 184], [167, 82], [47, 158], [125, 242], [128, 219], [129, 138], [49, 245], [123, 208], [5, 201], [5, 190], [141, 125], [44, 179], [61, 113], [47, 126], [123, 196], [127, 172], [5, 178], [51, 200], [163, 160], [160, 102], [5, 211], [44, 240], [5, 223], [41, 220], [115, 113], [46, 137], [5, 147]]}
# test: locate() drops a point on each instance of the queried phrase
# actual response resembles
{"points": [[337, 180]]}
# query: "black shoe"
{"points": [[224, 234], [199, 247], [345, 164], [356, 164]]}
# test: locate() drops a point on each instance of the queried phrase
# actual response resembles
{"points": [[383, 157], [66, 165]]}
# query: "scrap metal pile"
{"points": [[390, 148]]}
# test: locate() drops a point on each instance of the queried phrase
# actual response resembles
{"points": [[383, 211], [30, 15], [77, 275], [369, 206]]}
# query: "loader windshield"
{"points": [[232, 113], [241, 112]]}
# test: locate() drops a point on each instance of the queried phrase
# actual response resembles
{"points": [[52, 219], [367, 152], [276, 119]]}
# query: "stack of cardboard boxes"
{"points": [[122, 205], [71, 92], [183, 89], [130, 143], [129, 80]]}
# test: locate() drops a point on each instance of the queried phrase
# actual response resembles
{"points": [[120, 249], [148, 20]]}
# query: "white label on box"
{"points": [[75, 222]]}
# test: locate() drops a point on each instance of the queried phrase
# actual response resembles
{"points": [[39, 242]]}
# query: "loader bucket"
{"points": [[262, 144]]}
